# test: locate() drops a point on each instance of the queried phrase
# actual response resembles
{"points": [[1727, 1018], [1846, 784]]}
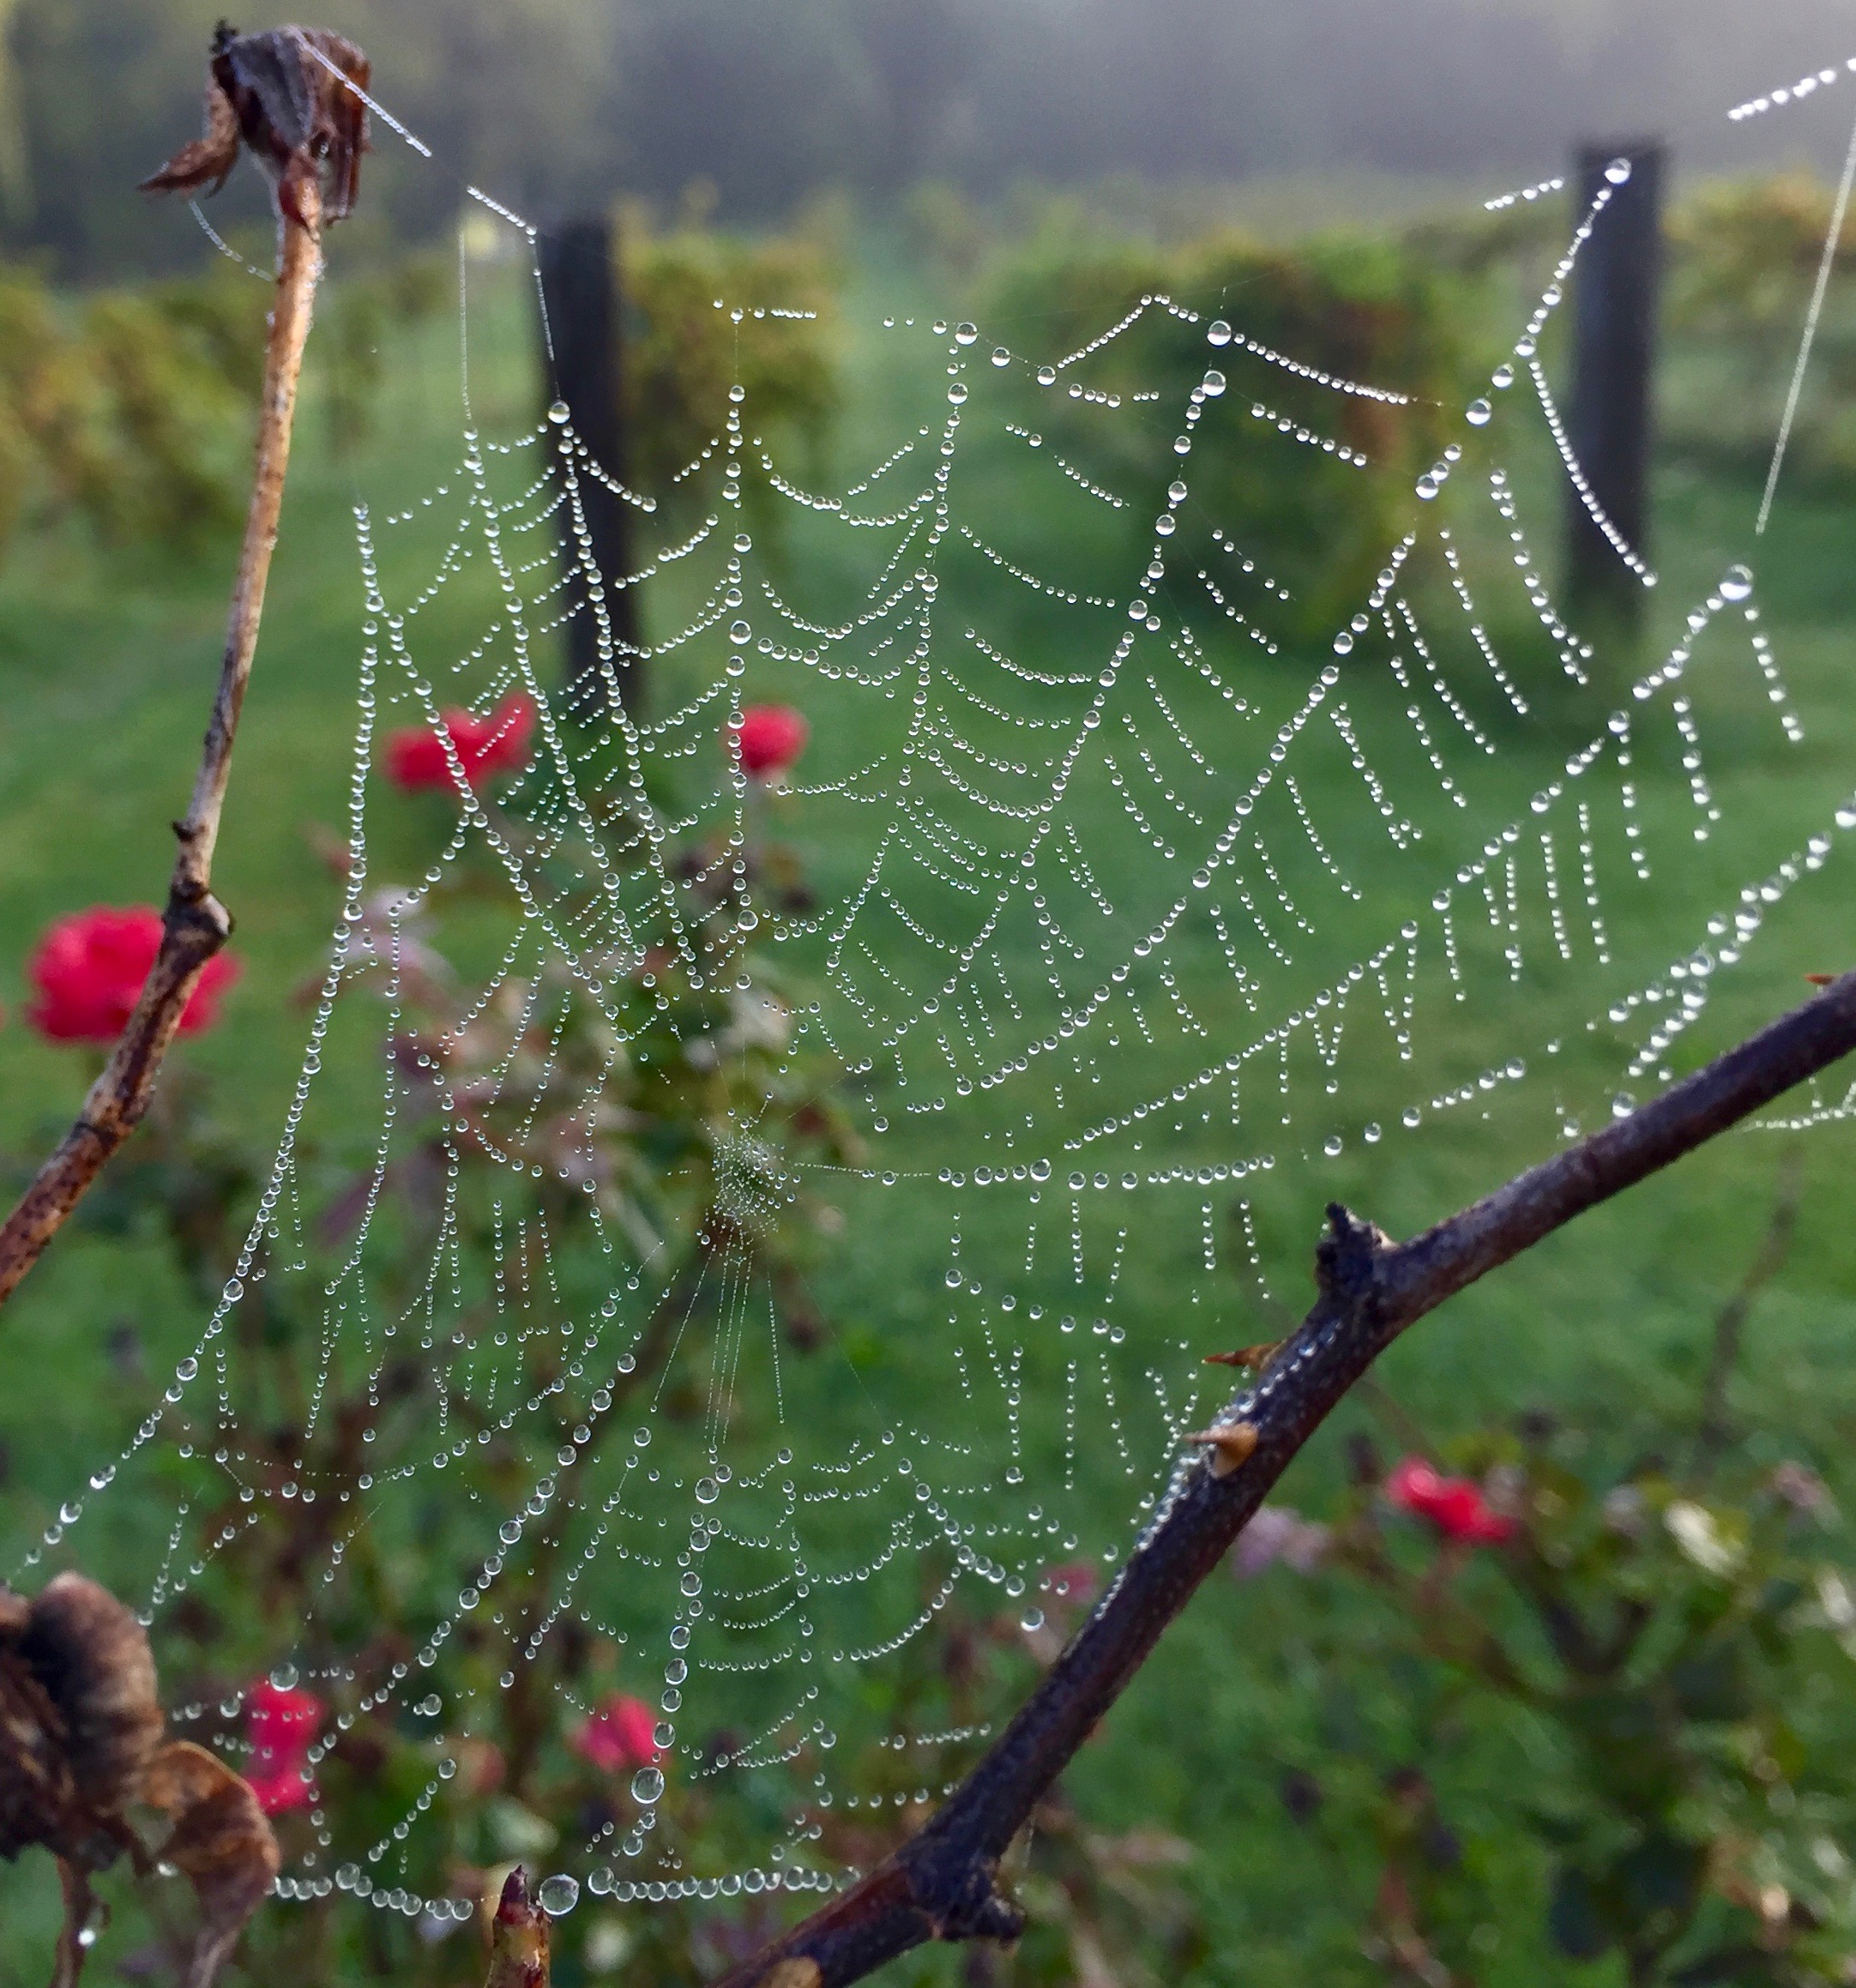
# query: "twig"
{"points": [[1729, 1322], [943, 1882], [195, 924]]}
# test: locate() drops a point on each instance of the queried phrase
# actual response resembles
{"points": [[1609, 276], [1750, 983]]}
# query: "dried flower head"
{"points": [[285, 95]]}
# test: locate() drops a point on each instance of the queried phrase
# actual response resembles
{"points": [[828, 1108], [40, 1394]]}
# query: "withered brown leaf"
{"points": [[221, 1840], [281, 94], [81, 1744]]}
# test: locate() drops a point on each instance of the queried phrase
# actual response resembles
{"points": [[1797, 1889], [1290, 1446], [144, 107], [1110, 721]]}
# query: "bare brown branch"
{"points": [[195, 924], [943, 1882]]}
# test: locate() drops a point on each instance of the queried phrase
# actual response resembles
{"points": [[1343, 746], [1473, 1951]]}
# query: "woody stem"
{"points": [[194, 925]]}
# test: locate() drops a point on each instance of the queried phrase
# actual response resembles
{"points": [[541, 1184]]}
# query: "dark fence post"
{"points": [[580, 284], [1614, 308]]}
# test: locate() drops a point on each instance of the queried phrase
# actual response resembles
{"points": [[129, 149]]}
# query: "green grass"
{"points": [[106, 664]]}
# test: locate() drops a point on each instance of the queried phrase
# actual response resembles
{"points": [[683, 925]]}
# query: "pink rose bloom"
{"points": [[496, 744], [281, 1726], [772, 736], [88, 970], [1455, 1505], [618, 1735]]}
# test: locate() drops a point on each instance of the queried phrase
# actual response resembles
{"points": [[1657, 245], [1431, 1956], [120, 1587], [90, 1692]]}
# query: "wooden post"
{"points": [[1614, 305], [580, 286]]}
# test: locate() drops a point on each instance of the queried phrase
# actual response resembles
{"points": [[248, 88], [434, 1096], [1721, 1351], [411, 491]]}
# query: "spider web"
{"points": [[1134, 933]]}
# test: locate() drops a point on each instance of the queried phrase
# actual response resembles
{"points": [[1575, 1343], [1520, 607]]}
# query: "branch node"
{"points": [[1346, 1258]]}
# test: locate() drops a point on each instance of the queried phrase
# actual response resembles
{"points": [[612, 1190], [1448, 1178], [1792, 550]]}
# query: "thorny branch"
{"points": [[282, 96], [943, 1882]]}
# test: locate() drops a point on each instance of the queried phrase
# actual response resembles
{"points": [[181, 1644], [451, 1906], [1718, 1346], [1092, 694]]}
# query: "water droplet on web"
{"points": [[1343, 643], [1413, 1117], [740, 633], [1331, 1145], [965, 334], [1033, 1618], [1622, 1104], [1001, 357], [1214, 382], [646, 1786], [1736, 583], [957, 392], [1176, 491], [1047, 375], [707, 1490], [1503, 378], [1426, 487], [1477, 414], [743, 542], [1218, 332], [558, 1894], [1618, 172], [556, 413], [284, 1678]]}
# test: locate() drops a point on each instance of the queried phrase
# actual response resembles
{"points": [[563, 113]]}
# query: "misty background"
{"points": [[754, 104]]}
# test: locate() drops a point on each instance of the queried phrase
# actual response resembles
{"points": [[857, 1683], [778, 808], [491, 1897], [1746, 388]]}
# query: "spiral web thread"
{"points": [[1129, 928]]}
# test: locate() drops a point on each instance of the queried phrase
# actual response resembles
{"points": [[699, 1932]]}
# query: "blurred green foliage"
{"points": [[683, 353]]}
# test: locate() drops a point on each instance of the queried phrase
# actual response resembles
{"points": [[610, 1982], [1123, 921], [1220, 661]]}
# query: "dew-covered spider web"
{"points": [[1105, 929]]}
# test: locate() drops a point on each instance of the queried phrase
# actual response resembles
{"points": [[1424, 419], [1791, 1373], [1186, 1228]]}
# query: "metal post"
{"points": [[1614, 309], [580, 284]]}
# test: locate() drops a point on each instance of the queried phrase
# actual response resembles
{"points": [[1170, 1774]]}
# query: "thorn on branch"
{"points": [[1255, 1358], [795, 1971], [1229, 1446]]}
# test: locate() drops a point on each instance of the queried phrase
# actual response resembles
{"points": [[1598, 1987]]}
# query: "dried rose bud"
{"points": [[286, 96]]}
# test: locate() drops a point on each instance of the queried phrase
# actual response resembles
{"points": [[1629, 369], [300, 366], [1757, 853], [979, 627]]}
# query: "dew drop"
{"points": [[558, 1894], [965, 334], [1343, 643], [1477, 414], [740, 633], [1736, 583], [1033, 1618], [957, 392], [1503, 378], [707, 1490], [1427, 488], [1214, 383], [1218, 332], [646, 1786], [1331, 1146], [1047, 375], [1618, 172], [1001, 357], [557, 414]]}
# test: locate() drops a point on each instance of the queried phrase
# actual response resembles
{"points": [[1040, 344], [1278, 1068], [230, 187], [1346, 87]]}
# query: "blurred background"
{"points": [[1575, 1705]]}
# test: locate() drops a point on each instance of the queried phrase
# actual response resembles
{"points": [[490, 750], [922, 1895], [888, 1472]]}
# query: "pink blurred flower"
{"points": [[618, 1735], [88, 970], [1455, 1505], [772, 736], [281, 1725], [1073, 1582], [485, 746], [1277, 1533]]}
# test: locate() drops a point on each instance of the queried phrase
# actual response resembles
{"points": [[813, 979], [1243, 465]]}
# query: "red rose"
{"points": [[1455, 1505], [618, 1735], [88, 969], [281, 1726], [485, 746], [772, 736]]}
